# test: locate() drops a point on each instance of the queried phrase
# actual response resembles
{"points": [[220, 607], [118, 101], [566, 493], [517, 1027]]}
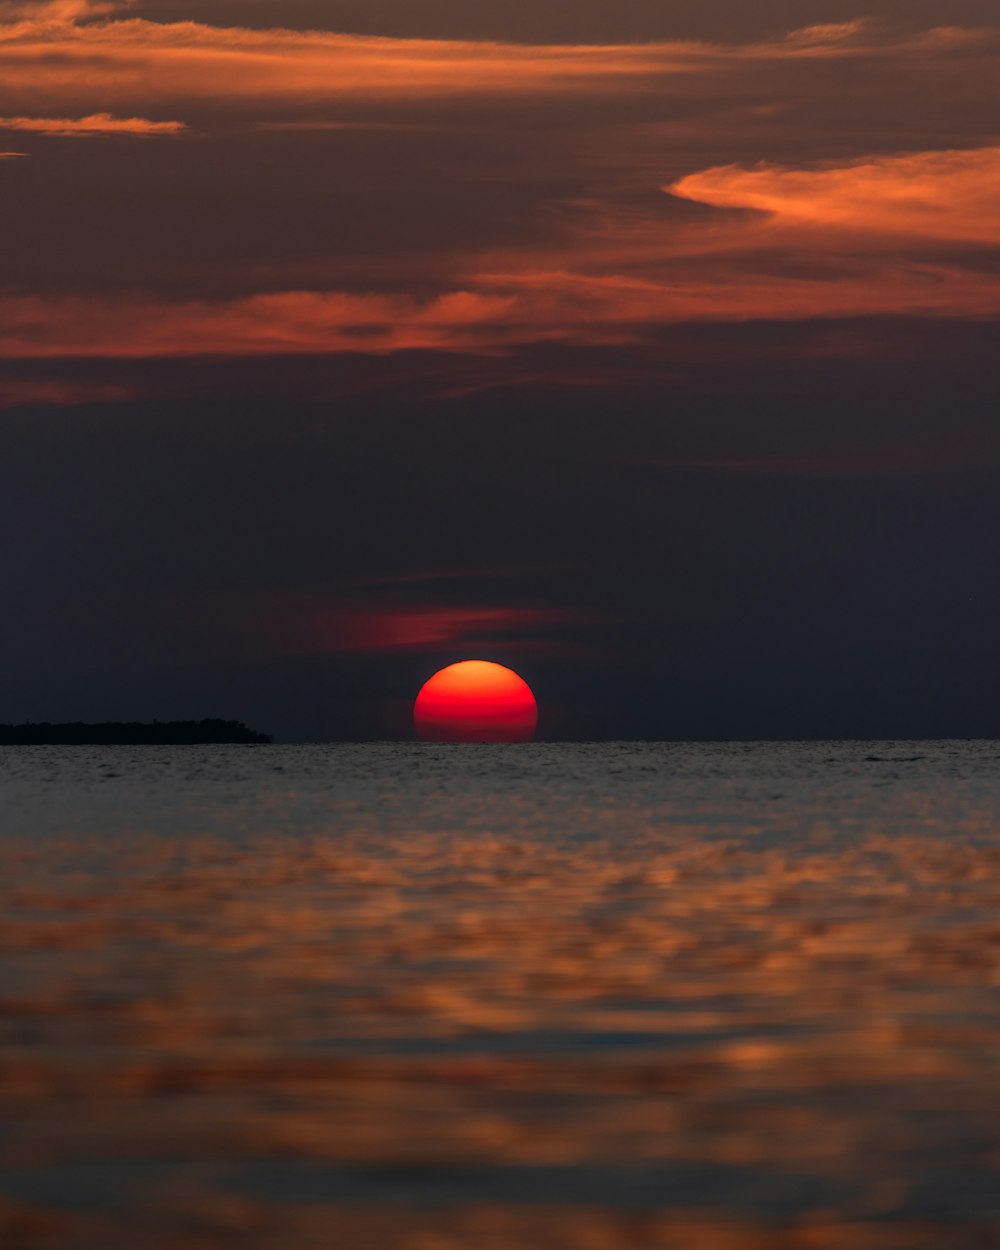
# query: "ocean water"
{"points": [[547, 997]]}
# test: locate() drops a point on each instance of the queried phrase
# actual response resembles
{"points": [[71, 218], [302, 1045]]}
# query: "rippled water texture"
{"points": [[511, 998]]}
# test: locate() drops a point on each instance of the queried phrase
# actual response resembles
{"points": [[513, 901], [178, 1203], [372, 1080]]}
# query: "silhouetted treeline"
{"points": [[120, 733]]}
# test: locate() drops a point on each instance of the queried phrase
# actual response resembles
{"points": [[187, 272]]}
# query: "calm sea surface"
{"points": [[614, 997]]}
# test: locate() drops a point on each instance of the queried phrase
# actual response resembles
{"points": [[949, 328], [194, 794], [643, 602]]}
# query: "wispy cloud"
{"points": [[45, 392], [48, 51], [952, 196], [819, 243], [535, 308], [93, 124], [292, 624], [58, 12]]}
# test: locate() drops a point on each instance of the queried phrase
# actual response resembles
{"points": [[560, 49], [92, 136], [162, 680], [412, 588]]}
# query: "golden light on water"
{"points": [[680, 1037]]}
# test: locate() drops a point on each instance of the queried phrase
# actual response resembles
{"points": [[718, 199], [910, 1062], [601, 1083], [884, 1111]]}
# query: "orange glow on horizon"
{"points": [[476, 701]]}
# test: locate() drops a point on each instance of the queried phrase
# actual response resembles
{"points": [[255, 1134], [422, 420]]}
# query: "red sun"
{"points": [[476, 701]]}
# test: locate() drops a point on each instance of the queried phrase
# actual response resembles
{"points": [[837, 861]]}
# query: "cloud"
{"points": [[600, 258], [818, 243], [412, 627], [952, 196], [24, 392], [94, 124], [912, 235], [57, 12], [135, 60], [536, 308], [47, 50], [290, 624], [11, 156], [289, 322]]}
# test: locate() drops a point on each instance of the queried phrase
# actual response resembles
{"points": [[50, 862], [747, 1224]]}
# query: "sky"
{"points": [[647, 348]]}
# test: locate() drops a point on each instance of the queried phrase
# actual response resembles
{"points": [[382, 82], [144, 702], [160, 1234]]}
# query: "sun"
{"points": [[476, 701]]}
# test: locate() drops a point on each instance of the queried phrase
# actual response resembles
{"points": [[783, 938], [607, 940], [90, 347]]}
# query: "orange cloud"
{"points": [[884, 235], [272, 324], [57, 12], [819, 243], [952, 196], [94, 124], [50, 51], [538, 307], [890, 235], [138, 60]]}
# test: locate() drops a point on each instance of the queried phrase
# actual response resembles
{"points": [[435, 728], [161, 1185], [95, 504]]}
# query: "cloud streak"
{"points": [[93, 124], [308, 625], [56, 57], [42, 14], [537, 308], [52, 393], [816, 244]]}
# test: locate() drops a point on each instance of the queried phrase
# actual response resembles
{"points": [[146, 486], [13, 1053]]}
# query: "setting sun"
{"points": [[476, 701]]}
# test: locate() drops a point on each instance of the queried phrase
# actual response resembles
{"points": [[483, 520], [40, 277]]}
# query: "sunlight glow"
{"points": [[476, 701]]}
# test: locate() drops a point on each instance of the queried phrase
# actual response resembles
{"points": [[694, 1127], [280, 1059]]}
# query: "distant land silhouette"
{"points": [[121, 733]]}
